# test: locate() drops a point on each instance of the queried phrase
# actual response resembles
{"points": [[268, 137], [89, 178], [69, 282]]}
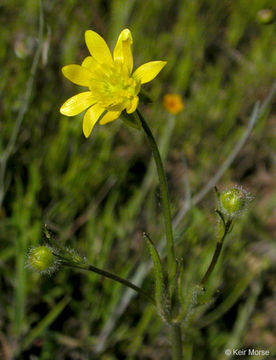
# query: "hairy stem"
{"points": [[164, 195], [111, 276], [176, 341], [216, 255]]}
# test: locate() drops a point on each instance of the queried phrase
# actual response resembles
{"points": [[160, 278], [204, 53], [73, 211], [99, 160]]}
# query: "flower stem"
{"points": [[216, 254], [175, 332], [111, 276], [164, 195]]}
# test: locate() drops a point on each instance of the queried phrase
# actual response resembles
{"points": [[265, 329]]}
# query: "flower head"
{"points": [[173, 103], [112, 87]]}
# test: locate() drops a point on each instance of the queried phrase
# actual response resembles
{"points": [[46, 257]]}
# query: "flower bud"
{"points": [[41, 259], [265, 16], [234, 201]]}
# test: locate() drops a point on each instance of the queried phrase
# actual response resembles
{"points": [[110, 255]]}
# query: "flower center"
{"points": [[112, 86]]}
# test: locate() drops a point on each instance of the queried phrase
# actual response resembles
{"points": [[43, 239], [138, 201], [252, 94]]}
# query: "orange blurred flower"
{"points": [[173, 103]]}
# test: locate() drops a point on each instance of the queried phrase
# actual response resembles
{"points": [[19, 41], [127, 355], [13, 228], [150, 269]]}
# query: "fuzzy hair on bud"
{"points": [[234, 201], [42, 260], [73, 256]]}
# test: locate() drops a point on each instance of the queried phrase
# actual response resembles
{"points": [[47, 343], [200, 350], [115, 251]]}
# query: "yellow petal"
{"points": [[77, 74], [132, 105], [90, 118], [122, 51], [110, 116], [89, 63], [98, 47], [148, 71], [76, 104]]}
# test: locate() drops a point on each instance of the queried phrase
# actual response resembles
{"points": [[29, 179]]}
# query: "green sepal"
{"points": [[220, 214], [50, 240], [161, 298], [217, 193], [67, 255], [131, 120]]}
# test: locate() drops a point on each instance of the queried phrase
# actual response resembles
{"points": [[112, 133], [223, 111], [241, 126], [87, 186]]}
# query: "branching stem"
{"points": [[175, 330]]}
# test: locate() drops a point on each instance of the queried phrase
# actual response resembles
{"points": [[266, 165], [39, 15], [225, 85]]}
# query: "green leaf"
{"points": [[180, 281], [161, 298]]}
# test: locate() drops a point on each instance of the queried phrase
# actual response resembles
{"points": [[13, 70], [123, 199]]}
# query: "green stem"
{"points": [[175, 332], [164, 195], [111, 276], [216, 254]]}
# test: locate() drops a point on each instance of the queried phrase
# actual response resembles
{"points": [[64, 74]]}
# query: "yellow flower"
{"points": [[112, 85], [173, 103]]}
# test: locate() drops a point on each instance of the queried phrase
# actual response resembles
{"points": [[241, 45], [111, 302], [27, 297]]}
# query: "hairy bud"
{"points": [[265, 16], [41, 259], [234, 201]]}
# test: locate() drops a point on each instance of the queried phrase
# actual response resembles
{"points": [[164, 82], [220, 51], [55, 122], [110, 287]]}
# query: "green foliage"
{"points": [[99, 195], [161, 291]]}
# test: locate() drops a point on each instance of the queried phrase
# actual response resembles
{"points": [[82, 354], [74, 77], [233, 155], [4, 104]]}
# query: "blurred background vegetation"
{"points": [[98, 195]]}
